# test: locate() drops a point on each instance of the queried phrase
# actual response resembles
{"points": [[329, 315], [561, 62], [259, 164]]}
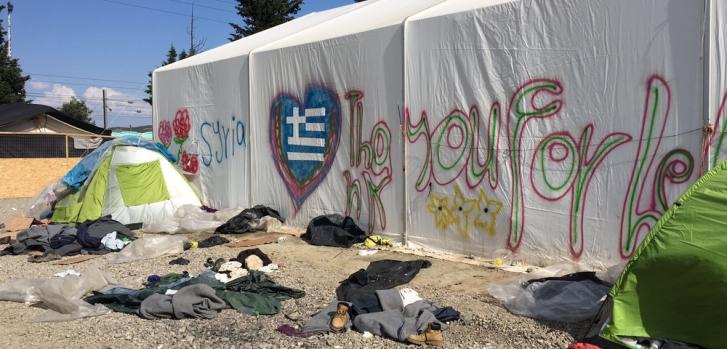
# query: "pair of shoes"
{"points": [[432, 336], [339, 319]]}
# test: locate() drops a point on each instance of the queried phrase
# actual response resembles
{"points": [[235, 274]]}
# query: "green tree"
{"points": [[77, 109], [171, 58], [12, 80], [183, 55], [258, 15]]}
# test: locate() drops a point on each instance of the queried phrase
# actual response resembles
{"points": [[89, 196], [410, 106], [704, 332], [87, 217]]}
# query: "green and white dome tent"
{"points": [[130, 179]]}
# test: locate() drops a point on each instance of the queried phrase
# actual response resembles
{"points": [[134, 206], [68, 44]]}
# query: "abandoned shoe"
{"points": [[432, 336], [340, 318]]}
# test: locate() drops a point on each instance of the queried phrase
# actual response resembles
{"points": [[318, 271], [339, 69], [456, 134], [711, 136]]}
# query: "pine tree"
{"points": [[12, 80], [183, 55], [171, 58], [259, 15], [77, 109]]}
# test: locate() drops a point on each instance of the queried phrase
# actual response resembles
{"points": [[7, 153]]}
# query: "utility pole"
{"points": [[191, 34], [10, 33], [105, 111]]}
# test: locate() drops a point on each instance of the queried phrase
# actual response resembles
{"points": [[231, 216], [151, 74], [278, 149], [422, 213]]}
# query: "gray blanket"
{"points": [[195, 301], [396, 321]]}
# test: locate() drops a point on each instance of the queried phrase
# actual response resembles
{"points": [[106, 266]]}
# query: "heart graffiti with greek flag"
{"points": [[304, 137]]}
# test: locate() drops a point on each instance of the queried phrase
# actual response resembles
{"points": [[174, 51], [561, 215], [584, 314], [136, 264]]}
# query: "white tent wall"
{"points": [[325, 113], [554, 129], [716, 152], [211, 90]]}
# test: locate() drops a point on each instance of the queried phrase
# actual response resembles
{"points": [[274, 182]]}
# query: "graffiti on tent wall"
{"points": [[304, 137], [540, 99], [220, 143], [675, 167], [463, 212], [180, 127], [369, 159]]}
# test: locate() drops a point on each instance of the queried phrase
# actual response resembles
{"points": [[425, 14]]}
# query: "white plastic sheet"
{"points": [[61, 296], [150, 247], [567, 301]]}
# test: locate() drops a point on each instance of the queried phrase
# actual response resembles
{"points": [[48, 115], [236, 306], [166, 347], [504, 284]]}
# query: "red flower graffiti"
{"points": [[181, 125], [181, 129], [165, 133], [189, 162]]}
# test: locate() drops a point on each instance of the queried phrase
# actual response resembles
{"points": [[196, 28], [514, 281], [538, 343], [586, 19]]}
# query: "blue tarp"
{"points": [[79, 173]]}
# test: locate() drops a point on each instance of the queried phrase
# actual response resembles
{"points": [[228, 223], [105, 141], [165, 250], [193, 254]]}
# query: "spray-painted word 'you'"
{"points": [[453, 147], [219, 141]]}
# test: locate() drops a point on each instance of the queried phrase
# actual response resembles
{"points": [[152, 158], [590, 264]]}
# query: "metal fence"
{"points": [[48, 145]]}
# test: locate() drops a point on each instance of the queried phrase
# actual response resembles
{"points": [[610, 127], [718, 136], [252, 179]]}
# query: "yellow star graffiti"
{"points": [[487, 212], [438, 206], [481, 212], [461, 210]]}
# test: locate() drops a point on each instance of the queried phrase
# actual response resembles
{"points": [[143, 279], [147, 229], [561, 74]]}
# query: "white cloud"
{"points": [[56, 96], [38, 85]]}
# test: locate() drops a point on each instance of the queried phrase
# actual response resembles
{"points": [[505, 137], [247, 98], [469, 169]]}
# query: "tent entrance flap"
{"points": [[142, 184]]}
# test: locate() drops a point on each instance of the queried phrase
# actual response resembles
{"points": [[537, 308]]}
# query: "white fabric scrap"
{"points": [[68, 272], [409, 296]]}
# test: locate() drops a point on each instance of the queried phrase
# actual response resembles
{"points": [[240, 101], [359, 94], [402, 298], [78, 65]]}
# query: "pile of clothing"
{"points": [[252, 219], [98, 236], [369, 301], [247, 260], [180, 296]]}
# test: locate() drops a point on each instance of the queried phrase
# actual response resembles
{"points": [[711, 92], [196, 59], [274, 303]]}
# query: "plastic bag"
{"points": [[60, 295], [150, 247], [42, 205], [558, 300], [226, 214], [187, 219]]}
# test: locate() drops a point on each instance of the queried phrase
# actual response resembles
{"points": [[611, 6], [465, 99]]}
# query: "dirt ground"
{"points": [[316, 270]]}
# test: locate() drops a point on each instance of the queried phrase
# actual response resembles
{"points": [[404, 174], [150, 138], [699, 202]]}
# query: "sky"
{"points": [[80, 47]]}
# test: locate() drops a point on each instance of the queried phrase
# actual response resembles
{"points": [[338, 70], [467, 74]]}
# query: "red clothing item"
{"points": [[583, 346]]}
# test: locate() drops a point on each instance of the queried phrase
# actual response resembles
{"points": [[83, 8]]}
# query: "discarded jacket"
{"points": [[248, 220], [333, 230], [360, 287], [193, 301], [253, 293]]}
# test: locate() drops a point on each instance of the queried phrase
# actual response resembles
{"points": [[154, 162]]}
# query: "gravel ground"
{"points": [[316, 270]]}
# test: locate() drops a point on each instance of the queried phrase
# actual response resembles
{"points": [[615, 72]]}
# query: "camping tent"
{"points": [[552, 129], [128, 179], [674, 285]]}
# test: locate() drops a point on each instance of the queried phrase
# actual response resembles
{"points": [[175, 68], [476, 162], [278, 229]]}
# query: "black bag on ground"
{"points": [[333, 230], [248, 220]]}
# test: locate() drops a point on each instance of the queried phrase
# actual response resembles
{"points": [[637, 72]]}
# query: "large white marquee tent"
{"points": [[552, 129]]}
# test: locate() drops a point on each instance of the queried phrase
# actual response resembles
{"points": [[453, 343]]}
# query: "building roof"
{"points": [[17, 112]]}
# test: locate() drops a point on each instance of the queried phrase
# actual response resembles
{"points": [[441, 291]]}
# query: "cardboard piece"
{"points": [[76, 259], [266, 239], [15, 224]]}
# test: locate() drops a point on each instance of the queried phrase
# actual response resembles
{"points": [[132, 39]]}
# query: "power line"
{"points": [[201, 6], [227, 2], [87, 78], [86, 84], [164, 11]]}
